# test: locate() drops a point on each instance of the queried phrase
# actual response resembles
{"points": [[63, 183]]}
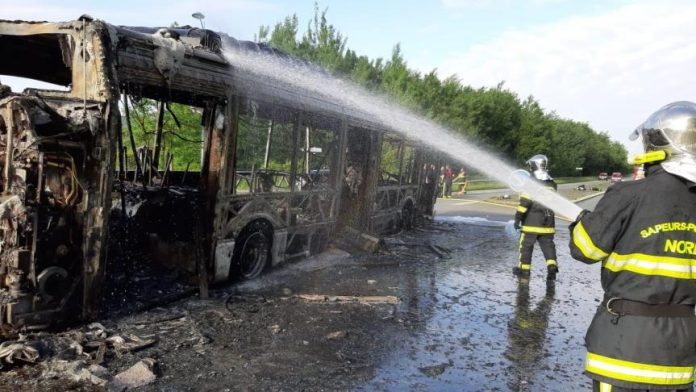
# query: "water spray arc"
{"points": [[358, 102]]}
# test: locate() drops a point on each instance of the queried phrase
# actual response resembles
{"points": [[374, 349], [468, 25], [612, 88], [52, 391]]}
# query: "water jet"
{"points": [[360, 103]]}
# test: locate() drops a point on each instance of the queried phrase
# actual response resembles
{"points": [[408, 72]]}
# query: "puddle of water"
{"points": [[483, 330]]}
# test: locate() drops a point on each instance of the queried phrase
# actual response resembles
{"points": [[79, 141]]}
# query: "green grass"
{"points": [[486, 184], [565, 180], [482, 185]]}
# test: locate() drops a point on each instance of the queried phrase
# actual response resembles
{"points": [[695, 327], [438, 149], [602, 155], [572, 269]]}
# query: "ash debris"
{"points": [[403, 319], [295, 328]]}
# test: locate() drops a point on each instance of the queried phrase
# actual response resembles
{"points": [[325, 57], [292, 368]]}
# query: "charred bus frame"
{"points": [[63, 162]]}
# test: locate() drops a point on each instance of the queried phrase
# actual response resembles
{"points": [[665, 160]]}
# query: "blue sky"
{"points": [[609, 63]]}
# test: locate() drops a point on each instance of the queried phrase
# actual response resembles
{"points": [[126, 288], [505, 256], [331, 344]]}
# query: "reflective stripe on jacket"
{"points": [[536, 218], [644, 235]]}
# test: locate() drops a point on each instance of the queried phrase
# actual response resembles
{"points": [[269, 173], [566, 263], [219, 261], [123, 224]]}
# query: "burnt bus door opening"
{"points": [[58, 197], [358, 182], [57, 159]]}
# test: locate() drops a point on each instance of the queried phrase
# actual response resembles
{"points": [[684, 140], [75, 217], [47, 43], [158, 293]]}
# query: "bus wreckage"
{"points": [[279, 173]]}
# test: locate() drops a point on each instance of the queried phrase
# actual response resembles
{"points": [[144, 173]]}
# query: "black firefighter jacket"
{"points": [[644, 234], [536, 218]]}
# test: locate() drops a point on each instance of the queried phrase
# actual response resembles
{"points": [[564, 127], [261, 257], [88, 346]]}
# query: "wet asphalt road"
{"points": [[482, 328], [463, 321]]}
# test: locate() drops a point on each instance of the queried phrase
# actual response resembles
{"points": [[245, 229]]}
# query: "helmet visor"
{"points": [[538, 162], [672, 126]]}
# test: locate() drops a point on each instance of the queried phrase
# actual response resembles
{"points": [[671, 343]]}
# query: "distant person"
{"points": [[461, 180], [537, 223], [441, 182], [448, 177], [643, 336]]}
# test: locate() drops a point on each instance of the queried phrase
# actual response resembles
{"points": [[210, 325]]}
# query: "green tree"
{"points": [[181, 133], [494, 117]]}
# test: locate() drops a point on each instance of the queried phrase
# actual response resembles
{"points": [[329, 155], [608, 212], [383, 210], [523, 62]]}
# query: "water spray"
{"points": [[373, 109], [521, 181]]}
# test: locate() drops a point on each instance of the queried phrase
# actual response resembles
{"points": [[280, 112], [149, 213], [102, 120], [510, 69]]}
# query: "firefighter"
{"points": [[537, 223], [643, 336]]}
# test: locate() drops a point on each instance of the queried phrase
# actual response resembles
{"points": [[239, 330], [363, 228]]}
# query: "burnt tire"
{"points": [[408, 216], [252, 253]]}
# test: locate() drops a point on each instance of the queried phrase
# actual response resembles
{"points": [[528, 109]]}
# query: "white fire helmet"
{"points": [[672, 129], [538, 165]]}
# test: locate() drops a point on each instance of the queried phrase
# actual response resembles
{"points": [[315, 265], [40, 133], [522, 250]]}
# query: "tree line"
{"points": [[495, 117]]}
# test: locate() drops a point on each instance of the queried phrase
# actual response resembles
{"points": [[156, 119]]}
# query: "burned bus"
{"points": [[274, 177]]}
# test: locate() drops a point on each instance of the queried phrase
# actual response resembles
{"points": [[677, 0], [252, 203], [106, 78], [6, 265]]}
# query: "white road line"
{"points": [[466, 202]]}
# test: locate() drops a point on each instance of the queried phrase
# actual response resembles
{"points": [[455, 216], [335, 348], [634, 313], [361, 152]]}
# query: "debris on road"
{"points": [[336, 335], [323, 325], [367, 300], [436, 370], [129, 343], [75, 371], [440, 251], [275, 329], [17, 351], [352, 239], [142, 373]]}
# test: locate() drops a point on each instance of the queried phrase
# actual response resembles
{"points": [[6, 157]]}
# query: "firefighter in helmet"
{"points": [[537, 223], [643, 336]]}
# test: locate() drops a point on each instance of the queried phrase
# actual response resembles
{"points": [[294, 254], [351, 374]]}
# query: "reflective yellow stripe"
{"points": [[524, 266], [525, 196], [639, 372], [538, 229], [551, 262], [648, 157], [521, 209], [582, 240], [519, 258], [671, 267], [604, 387]]}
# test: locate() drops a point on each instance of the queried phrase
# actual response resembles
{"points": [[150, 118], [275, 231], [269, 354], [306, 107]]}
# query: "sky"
{"points": [[610, 63]]}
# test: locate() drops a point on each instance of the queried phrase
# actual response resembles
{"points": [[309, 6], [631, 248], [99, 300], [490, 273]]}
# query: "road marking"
{"points": [[504, 205]]}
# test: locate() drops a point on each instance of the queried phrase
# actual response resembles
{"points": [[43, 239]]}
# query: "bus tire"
{"points": [[252, 254]]}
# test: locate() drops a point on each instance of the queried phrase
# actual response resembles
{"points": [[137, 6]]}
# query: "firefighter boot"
{"points": [[552, 270], [521, 272]]}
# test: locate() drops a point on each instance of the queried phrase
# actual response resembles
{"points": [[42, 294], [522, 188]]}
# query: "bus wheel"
{"points": [[408, 216], [254, 250]]}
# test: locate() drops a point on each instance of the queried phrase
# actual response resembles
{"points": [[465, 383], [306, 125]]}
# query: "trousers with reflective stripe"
{"points": [[645, 363], [538, 229], [548, 248]]}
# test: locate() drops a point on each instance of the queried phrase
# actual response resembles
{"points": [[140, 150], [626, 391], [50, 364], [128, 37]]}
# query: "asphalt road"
{"points": [[481, 204], [460, 320], [486, 329]]}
